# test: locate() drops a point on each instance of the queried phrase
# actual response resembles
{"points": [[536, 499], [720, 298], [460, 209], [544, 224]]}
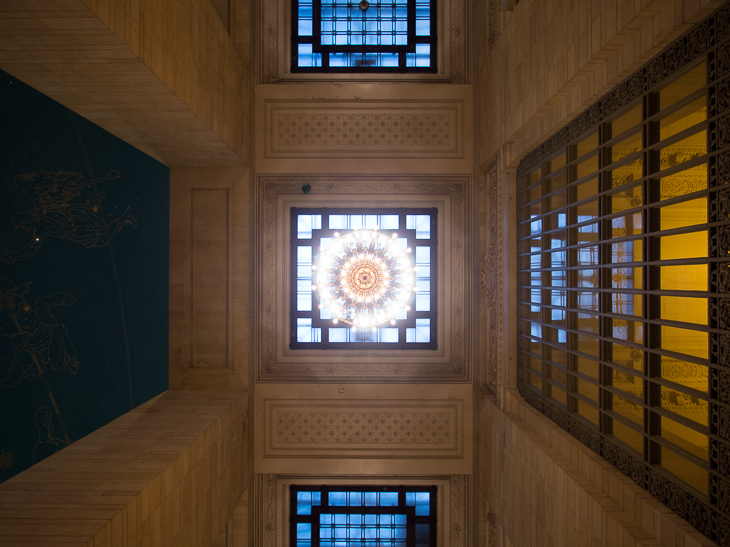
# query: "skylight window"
{"points": [[341, 36], [363, 278], [342, 516]]}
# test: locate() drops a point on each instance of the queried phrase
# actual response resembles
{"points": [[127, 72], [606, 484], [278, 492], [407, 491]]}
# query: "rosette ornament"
{"points": [[365, 278]]}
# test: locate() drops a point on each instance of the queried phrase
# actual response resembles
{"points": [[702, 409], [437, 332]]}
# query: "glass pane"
{"points": [[683, 183], [628, 198], [690, 342], [686, 213], [692, 245], [628, 436], [628, 409], [587, 411], [626, 121], [689, 310], [684, 373], [680, 467], [587, 167], [684, 437], [685, 405], [687, 149], [684, 118], [683, 87], [683, 278]]}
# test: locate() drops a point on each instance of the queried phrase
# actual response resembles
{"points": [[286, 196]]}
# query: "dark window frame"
{"points": [[403, 324], [401, 508], [325, 50], [707, 43]]}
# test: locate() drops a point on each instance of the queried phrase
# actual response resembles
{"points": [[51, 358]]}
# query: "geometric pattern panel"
{"points": [[316, 128], [364, 429]]}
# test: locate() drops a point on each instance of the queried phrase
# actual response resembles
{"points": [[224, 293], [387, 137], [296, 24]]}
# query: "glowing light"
{"points": [[365, 279]]}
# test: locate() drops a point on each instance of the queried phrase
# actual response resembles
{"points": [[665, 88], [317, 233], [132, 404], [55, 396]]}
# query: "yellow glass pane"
{"points": [[690, 440], [682, 87], [684, 278], [684, 373], [536, 192], [587, 211], [628, 383], [588, 412], [629, 198], [685, 182], [628, 436], [626, 278], [686, 213], [588, 322], [683, 469], [534, 363], [557, 163], [680, 308], [684, 118], [588, 389], [687, 406], [587, 367], [561, 357], [555, 201], [627, 173], [690, 342], [586, 167], [586, 190], [626, 121], [559, 395], [557, 181], [631, 358], [531, 211], [531, 345], [588, 344], [626, 147], [692, 245], [532, 380], [587, 144], [628, 409], [692, 147]]}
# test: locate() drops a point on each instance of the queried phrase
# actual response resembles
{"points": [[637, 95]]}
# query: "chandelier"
{"points": [[364, 278]]}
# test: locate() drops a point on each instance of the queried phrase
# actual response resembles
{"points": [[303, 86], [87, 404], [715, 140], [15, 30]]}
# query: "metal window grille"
{"points": [[338, 36], [356, 516], [313, 328], [624, 277]]}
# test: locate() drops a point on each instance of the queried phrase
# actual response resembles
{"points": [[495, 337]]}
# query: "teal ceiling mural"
{"points": [[84, 230]]}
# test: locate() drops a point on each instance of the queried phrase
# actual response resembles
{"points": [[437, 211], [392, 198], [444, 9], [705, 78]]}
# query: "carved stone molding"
{"points": [[276, 362], [367, 428], [492, 279], [363, 128], [495, 531]]}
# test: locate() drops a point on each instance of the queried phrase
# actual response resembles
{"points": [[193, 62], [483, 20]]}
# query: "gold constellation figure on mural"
{"points": [[60, 210]]}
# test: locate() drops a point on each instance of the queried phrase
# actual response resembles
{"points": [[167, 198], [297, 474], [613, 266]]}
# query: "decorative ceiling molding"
{"points": [[363, 128], [364, 429], [276, 362]]}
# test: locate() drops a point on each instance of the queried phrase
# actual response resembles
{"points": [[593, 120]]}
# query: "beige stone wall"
{"points": [[167, 473], [210, 276], [163, 76], [545, 488], [551, 60]]}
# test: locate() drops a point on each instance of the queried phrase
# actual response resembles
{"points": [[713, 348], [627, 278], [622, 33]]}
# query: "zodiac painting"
{"points": [[65, 206], [47, 443], [31, 336]]}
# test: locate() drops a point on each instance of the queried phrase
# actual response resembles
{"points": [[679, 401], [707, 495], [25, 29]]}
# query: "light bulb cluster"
{"points": [[364, 278]]}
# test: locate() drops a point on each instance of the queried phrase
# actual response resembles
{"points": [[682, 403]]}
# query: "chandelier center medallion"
{"points": [[365, 278]]}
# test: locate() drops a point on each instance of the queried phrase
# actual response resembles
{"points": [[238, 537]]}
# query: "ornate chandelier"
{"points": [[365, 278]]}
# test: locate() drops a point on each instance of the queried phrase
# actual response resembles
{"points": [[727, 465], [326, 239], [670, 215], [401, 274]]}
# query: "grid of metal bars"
{"points": [[624, 277], [339, 36]]}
